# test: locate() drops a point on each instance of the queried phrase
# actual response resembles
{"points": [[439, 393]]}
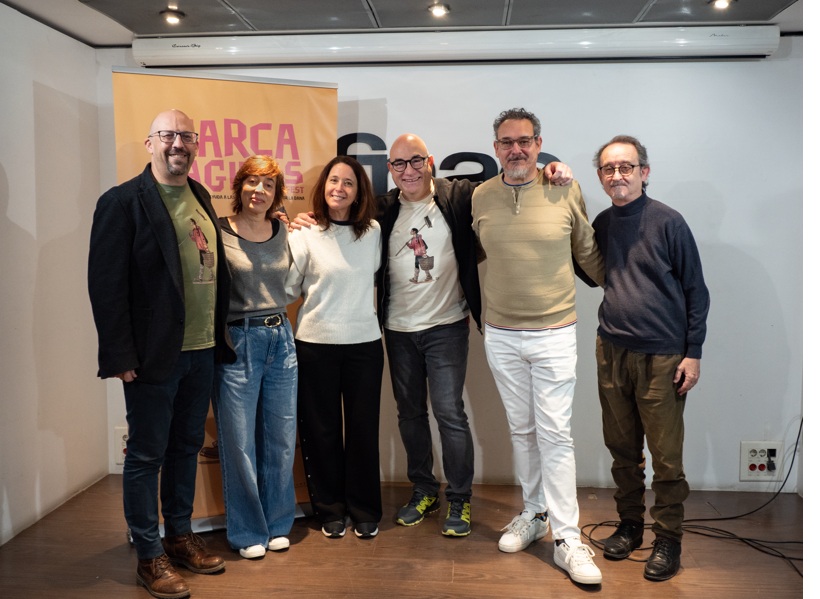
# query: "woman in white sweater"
{"points": [[339, 350]]}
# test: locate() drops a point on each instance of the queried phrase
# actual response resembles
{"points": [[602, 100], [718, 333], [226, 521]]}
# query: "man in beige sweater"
{"points": [[531, 231]]}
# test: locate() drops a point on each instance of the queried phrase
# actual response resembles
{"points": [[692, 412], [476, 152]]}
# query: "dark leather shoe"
{"points": [[189, 551], [626, 538], [160, 579], [664, 562]]}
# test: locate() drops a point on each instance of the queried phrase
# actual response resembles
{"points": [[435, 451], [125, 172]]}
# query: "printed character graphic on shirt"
{"points": [[206, 258], [423, 261]]}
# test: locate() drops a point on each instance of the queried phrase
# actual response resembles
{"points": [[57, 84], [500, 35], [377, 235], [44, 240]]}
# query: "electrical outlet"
{"points": [[761, 461], [120, 438]]}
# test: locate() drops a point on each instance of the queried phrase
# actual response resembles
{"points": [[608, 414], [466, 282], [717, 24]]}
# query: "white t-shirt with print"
{"points": [[424, 287]]}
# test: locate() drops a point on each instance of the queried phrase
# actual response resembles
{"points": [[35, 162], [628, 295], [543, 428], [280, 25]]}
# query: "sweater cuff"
{"points": [[694, 351]]}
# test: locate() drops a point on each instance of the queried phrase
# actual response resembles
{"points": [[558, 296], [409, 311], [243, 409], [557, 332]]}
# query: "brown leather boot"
{"points": [[160, 579], [189, 551]]}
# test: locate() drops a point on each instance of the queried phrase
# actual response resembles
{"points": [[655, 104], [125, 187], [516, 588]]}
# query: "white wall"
{"points": [[53, 437], [724, 140], [725, 144]]}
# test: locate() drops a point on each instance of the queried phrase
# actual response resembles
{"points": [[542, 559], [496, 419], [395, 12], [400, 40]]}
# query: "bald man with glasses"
{"points": [[161, 326], [426, 322]]}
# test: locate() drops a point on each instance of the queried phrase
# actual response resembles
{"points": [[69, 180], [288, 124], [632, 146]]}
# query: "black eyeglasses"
{"points": [[624, 169], [168, 137], [417, 162], [507, 143]]}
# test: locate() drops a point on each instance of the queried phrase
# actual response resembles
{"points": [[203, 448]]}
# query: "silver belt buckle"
{"points": [[273, 321]]}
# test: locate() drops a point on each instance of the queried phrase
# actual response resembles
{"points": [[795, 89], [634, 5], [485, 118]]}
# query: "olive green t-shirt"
{"points": [[196, 239]]}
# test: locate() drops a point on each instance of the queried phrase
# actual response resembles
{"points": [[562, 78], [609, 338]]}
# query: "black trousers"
{"points": [[338, 409]]}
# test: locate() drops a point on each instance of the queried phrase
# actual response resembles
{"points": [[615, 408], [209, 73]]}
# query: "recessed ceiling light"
{"points": [[439, 10], [722, 4], [172, 17]]}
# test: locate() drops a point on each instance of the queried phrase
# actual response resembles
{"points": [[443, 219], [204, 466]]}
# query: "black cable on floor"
{"points": [[764, 546]]}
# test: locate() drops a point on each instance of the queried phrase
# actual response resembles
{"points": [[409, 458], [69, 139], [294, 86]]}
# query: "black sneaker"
{"points": [[366, 530], [664, 562], [457, 523], [626, 538], [419, 506], [335, 529]]}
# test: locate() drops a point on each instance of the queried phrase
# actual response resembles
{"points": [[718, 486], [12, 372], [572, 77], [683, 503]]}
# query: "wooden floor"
{"points": [[81, 550]]}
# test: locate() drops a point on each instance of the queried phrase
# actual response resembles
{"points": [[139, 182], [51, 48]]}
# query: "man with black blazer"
{"points": [[159, 286]]}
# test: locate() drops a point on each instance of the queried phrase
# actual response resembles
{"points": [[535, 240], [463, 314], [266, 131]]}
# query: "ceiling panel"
{"points": [[305, 15], [463, 13], [99, 22], [697, 11], [575, 13], [143, 16]]}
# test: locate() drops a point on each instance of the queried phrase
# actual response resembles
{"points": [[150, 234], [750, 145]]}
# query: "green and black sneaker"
{"points": [[419, 506], [457, 523]]}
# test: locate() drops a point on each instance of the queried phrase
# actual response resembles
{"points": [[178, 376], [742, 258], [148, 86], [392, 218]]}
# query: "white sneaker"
{"points": [[524, 529], [576, 558], [252, 552], [278, 544]]}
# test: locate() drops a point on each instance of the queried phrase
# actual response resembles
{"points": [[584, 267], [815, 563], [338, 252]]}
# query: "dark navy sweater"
{"points": [[655, 298]]}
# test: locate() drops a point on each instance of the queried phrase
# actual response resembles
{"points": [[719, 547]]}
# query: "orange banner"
{"points": [[295, 122]]}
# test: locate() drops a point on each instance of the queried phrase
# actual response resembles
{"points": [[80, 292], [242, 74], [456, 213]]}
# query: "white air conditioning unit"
{"points": [[751, 41]]}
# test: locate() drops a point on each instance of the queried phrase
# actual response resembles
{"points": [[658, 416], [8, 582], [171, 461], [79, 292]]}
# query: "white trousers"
{"points": [[535, 375]]}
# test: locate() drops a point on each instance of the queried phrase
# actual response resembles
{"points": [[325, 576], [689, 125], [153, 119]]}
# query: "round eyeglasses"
{"points": [[624, 169], [417, 162]]}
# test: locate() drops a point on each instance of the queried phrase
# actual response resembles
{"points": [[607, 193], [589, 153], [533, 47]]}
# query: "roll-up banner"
{"points": [[293, 121]]}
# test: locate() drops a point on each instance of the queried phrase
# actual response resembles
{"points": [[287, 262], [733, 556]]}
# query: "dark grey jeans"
{"points": [[436, 357]]}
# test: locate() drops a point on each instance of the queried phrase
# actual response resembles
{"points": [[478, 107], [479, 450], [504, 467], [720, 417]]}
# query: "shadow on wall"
{"points": [[70, 433], [735, 372], [18, 255]]}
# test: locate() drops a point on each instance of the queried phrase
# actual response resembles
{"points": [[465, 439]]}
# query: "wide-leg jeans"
{"points": [[255, 408]]}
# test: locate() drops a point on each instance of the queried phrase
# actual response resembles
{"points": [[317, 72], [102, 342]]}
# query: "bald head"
{"points": [[171, 161], [415, 183]]}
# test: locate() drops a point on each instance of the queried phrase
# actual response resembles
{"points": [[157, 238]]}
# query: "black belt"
{"points": [[274, 320]]}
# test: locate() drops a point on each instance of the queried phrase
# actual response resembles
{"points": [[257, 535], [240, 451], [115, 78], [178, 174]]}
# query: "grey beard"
{"points": [[517, 173]]}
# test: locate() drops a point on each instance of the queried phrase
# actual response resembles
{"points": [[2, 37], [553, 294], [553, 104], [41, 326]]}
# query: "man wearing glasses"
{"points": [[159, 325], [652, 325], [531, 231], [426, 327]]}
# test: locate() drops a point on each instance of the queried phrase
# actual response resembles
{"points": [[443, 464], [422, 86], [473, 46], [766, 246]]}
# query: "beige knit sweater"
{"points": [[530, 233]]}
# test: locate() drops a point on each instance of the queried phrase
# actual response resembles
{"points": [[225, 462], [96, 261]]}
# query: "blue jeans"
{"points": [[166, 428], [255, 409], [436, 357]]}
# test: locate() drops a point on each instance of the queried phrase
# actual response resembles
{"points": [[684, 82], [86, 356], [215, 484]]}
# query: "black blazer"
{"points": [[135, 281]]}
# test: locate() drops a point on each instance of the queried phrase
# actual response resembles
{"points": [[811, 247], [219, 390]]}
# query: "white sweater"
{"points": [[334, 273]]}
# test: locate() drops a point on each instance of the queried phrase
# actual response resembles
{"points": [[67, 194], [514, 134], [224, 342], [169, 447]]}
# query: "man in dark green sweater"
{"points": [[652, 328]]}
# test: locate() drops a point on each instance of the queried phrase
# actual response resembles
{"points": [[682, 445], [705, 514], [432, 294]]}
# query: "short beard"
{"points": [[177, 171], [517, 173]]}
